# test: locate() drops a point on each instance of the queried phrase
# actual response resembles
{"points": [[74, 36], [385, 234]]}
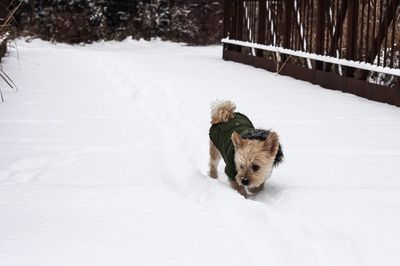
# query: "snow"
{"points": [[323, 58], [105, 151]]}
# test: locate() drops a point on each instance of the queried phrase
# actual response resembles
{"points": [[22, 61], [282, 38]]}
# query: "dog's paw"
{"points": [[213, 174]]}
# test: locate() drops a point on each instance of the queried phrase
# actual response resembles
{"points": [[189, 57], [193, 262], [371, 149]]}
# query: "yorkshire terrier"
{"points": [[249, 154]]}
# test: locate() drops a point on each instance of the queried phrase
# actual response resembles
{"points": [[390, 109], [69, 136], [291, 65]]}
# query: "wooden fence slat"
{"points": [[261, 25], [351, 46], [320, 33]]}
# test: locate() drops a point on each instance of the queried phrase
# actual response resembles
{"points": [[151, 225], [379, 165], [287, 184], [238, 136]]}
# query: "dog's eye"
{"points": [[241, 167], [255, 167]]}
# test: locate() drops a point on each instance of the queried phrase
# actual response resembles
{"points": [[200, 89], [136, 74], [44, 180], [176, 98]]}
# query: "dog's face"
{"points": [[254, 160]]}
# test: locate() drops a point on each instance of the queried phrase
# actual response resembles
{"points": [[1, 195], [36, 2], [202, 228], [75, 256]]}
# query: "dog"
{"points": [[250, 154]]}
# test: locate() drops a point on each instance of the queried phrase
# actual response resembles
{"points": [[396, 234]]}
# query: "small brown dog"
{"points": [[249, 153]]}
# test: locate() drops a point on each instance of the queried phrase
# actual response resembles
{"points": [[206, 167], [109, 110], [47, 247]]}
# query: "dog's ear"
{"points": [[271, 144], [237, 140]]}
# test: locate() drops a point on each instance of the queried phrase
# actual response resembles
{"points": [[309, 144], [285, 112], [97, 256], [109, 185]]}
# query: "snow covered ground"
{"points": [[104, 162]]}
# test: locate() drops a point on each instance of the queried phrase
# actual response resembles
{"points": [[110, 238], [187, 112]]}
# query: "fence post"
{"points": [[261, 25], [287, 23], [239, 22], [227, 17], [234, 20], [320, 32], [351, 46], [228, 22]]}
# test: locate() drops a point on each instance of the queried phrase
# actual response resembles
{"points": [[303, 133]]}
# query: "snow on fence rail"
{"points": [[323, 58], [352, 46]]}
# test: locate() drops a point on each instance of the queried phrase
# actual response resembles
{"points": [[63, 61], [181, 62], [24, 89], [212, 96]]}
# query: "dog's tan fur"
{"points": [[215, 157], [249, 154], [222, 111]]}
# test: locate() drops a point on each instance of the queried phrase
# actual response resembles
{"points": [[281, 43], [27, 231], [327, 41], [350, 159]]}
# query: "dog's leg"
{"points": [[240, 189], [215, 157]]}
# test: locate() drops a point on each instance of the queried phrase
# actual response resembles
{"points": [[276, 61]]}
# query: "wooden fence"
{"points": [[364, 31]]}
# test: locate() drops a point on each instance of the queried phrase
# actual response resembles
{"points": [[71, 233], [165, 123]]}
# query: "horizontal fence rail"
{"points": [[352, 46], [323, 58]]}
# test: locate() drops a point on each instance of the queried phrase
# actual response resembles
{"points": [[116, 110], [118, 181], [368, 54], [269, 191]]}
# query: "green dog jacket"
{"points": [[220, 135]]}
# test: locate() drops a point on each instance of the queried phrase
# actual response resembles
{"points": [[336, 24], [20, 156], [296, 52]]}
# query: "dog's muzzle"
{"points": [[245, 181]]}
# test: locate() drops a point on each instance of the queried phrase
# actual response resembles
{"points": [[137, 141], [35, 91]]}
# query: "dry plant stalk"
{"points": [[3, 37]]}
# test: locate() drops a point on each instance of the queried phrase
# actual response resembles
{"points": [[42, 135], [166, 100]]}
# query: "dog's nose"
{"points": [[245, 181]]}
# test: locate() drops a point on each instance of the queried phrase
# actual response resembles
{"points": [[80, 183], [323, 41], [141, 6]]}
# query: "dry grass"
{"points": [[4, 35]]}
